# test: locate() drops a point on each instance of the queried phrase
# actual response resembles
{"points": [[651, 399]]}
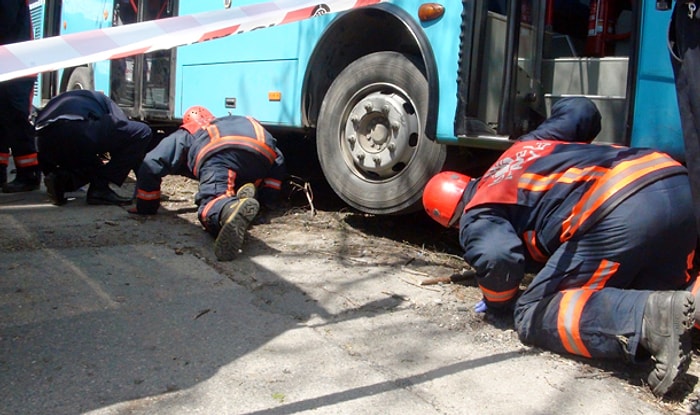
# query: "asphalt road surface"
{"points": [[103, 312]]}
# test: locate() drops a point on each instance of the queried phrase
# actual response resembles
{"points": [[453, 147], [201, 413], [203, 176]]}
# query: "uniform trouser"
{"points": [[219, 178], [589, 298], [685, 59], [16, 132], [79, 147]]}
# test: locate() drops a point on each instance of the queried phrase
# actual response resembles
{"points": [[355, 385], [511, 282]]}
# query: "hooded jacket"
{"points": [[550, 187]]}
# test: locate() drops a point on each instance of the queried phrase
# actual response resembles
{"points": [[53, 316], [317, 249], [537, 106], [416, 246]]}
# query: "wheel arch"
{"points": [[393, 29], [68, 72]]}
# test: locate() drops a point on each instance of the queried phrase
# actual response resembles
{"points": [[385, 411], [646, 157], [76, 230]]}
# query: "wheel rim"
{"points": [[379, 132]]}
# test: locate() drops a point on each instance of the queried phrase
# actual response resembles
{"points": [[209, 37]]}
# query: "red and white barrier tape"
{"points": [[48, 54]]}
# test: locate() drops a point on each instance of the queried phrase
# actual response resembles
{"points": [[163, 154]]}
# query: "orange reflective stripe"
{"points": [[207, 208], [4, 159], [568, 320], [602, 275], [530, 239], [498, 296], [272, 183], [214, 134], [230, 185], [243, 141], [689, 267], [612, 182], [571, 307], [538, 183], [26, 161], [144, 195], [259, 130]]}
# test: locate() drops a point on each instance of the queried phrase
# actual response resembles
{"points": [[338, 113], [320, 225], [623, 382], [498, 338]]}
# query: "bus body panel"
{"points": [[656, 121], [443, 36], [281, 75], [80, 16], [36, 9], [247, 92], [208, 73], [297, 41]]}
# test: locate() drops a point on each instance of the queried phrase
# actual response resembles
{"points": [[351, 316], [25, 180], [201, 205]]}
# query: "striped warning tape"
{"points": [[48, 54]]}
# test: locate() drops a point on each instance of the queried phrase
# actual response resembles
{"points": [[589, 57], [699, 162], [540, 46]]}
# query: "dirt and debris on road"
{"points": [[429, 258]]}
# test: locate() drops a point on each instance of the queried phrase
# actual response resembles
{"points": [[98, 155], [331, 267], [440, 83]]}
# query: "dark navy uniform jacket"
{"points": [[81, 104], [185, 151], [544, 191]]}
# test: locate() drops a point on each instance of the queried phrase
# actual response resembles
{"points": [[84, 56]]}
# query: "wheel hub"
{"points": [[378, 134]]}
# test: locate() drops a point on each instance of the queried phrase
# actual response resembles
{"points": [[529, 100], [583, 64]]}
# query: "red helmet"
{"points": [[443, 194], [198, 114]]}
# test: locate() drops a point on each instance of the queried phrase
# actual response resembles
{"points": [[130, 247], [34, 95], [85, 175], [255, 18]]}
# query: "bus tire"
{"points": [[370, 135], [80, 78]]}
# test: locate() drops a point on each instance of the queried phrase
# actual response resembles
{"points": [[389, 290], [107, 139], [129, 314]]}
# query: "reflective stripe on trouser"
{"points": [[219, 176], [589, 298]]}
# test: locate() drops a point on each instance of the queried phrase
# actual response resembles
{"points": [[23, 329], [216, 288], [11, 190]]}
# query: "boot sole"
{"points": [[683, 311], [248, 190], [230, 238]]}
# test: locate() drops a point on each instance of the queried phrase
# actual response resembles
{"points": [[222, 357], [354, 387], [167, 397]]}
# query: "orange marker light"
{"points": [[274, 96], [430, 11]]}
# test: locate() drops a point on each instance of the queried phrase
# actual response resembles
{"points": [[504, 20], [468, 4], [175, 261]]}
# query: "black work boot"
{"points": [[668, 317], [57, 183], [26, 180], [97, 195], [235, 220]]}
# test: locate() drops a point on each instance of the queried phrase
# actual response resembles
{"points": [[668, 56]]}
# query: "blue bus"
{"points": [[393, 90]]}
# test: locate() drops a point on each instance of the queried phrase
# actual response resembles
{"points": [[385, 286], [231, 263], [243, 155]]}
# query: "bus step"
{"points": [[612, 110], [586, 76]]}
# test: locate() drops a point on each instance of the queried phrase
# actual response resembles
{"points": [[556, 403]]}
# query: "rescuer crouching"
{"points": [[609, 229], [236, 162], [84, 137]]}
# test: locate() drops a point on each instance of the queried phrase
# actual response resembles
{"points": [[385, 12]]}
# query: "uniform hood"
{"points": [[573, 119]]}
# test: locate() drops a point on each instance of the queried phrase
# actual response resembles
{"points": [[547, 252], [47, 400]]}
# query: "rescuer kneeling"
{"points": [[235, 160], [610, 230], [84, 137]]}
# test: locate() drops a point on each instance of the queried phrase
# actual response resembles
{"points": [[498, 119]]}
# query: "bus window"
{"points": [[156, 68], [149, 73], [122, 88]]}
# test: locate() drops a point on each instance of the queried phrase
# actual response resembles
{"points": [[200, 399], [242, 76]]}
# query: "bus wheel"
{"points": [[79, 79], [370, 135]]}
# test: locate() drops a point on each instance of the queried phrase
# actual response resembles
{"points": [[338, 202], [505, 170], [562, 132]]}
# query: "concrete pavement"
{"points": [[104, 313]]}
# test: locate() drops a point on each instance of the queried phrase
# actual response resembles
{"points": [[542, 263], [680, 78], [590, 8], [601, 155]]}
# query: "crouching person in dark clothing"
{"points": [[236, 162], [84, 137], [609, 229]]}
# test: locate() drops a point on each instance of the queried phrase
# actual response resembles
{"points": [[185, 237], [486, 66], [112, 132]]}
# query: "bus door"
{"points": [[46, 22], [530, 53], [504, 69], [143, 84]]}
